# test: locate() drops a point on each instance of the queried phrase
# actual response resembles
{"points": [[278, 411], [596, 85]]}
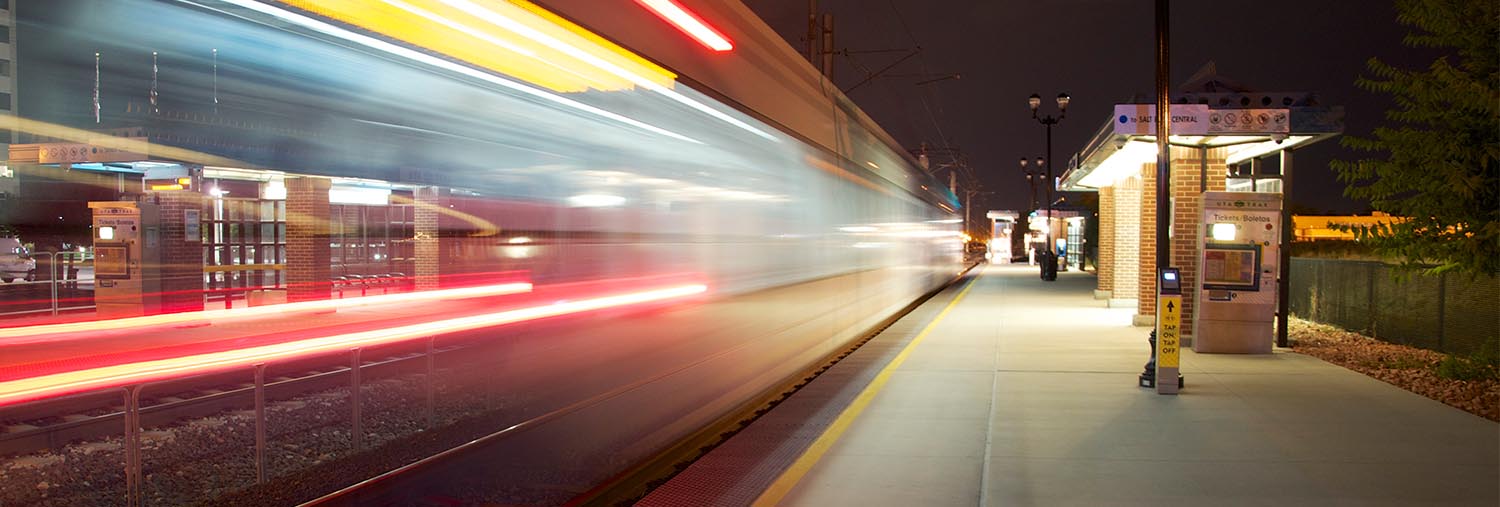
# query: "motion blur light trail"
{"points": [[689, 23], [519, 39], [15, 336], [42, 129], [418, 56], [59, 384], [500, 36]]}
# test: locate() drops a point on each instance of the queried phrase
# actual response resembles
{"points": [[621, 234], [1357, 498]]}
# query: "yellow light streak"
{"points": [[513, 38]]}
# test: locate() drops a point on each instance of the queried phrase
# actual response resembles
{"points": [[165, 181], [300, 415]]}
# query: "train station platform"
{"points": [[1005, 390]]}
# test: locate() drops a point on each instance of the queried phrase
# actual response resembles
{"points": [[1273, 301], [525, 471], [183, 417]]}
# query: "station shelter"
{"points": [[217, 233], [1002, 226], [1063, 228], [1221, 134]]}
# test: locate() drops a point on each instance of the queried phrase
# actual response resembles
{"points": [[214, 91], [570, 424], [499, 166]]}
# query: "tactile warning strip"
{"points": [[737, 471]]}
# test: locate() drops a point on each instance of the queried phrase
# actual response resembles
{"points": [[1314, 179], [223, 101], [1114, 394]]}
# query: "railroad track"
{"points": [[100, 414]]}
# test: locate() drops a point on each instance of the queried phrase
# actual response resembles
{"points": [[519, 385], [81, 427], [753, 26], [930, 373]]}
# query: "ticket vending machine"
{"points": [[127, 247], [1235, 305]]}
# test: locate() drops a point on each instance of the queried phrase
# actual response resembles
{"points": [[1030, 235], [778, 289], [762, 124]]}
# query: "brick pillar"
{"points": [[428, 235], [1187, 170], [1127, 251], [1146, 276], [1106, 260], [308, 253], [181, 257]]}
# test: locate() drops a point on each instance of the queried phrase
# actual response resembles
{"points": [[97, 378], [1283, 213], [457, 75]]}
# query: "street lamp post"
{"points": [[1049, 265], [1031, 179]]}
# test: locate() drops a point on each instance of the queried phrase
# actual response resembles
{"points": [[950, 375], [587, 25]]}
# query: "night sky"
{"points": [[1101, 53]]}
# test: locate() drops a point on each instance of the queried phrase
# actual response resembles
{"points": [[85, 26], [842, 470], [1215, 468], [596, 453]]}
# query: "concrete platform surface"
{"points": [[1024, 393]]}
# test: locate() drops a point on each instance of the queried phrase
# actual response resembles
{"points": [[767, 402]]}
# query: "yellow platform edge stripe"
{"points": [[788, 479]]}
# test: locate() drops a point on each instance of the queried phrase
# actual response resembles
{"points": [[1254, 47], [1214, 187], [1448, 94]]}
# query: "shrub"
{"points": [[1481, 365]]}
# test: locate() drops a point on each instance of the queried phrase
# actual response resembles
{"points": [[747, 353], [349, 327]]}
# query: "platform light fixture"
{"points": [[1124, 162]]}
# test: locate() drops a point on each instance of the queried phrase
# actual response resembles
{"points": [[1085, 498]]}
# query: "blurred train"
{"points": [[566, 139], [748, 150]]}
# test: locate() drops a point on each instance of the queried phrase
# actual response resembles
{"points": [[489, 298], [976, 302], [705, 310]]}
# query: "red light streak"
{"points": [[690, 24], [58, 384], [31, 334]]}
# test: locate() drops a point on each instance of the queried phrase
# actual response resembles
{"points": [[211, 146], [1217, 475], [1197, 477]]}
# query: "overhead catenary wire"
{"points": [[922, 64]]}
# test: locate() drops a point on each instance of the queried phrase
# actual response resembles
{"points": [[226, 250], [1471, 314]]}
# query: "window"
{"points": [[5, 34], [4, 67], [4, 101]]}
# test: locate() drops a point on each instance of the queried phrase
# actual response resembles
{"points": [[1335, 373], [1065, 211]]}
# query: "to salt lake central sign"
{"points": [[1200, 120], [61, 153]]}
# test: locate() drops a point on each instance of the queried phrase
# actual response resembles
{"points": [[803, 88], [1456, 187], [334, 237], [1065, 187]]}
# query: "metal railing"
{"points": [[52, 278], [134, 475]]}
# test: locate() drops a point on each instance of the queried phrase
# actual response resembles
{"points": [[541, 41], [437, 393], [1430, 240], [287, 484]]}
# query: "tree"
{"points": [[1441, 146]]}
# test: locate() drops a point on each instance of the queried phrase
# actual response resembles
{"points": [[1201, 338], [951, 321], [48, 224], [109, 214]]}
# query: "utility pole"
{"points": [[828, 45], [968, 205], [812, 31], [968, 199]]}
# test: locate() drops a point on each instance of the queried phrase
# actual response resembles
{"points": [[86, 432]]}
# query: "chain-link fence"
{"points": [[1453, 313]]}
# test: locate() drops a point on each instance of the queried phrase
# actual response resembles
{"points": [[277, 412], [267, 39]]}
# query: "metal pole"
{"points": [[1163, 149], [1166, 377], [1284, 272], [431, 360], [260, 423], [1049, 184], [133, 477], [1442, 303], [828, 46], [357, 436], [1031, 182], [52, 278], [812, 32], [968, 198]]}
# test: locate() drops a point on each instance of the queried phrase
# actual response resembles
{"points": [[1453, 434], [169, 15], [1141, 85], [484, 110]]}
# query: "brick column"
{"points": [[1145, 314], [308, 254], [1187, 173], [1106, 260], [1127, 251], [181, 257], [428, 234]]}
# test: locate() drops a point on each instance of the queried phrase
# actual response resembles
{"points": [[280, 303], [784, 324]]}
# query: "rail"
{"points": [[131, 379], [134, 478]]}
